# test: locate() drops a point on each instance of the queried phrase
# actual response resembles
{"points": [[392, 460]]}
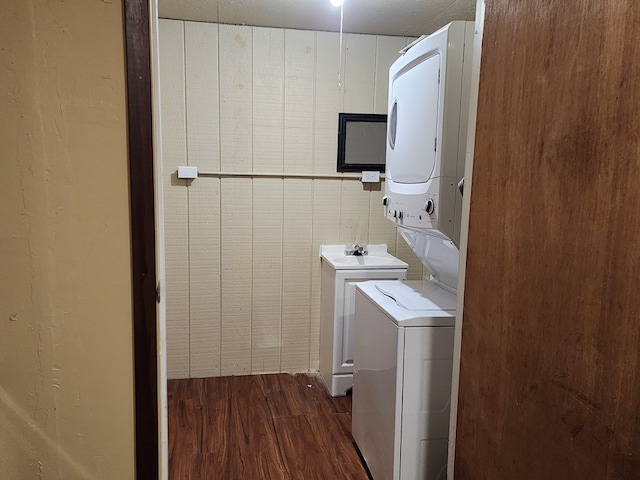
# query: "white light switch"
{"points": [[187, 172], [370, 177]]}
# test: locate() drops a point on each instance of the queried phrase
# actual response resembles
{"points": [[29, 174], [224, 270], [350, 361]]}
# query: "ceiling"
{"points": [[380, 17]]}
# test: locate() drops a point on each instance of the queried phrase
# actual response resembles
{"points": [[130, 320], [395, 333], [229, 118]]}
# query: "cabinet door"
{"points": [[348, 313]]}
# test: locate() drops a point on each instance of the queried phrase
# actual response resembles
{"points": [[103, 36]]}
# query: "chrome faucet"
{"points": [[355, 250]]}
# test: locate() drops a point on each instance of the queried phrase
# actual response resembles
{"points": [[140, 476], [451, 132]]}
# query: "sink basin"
{"points": [[376, 258]]}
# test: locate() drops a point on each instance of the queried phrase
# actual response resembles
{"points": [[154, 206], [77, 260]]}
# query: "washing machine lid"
{"points": [[412, 303], [437, 252]]}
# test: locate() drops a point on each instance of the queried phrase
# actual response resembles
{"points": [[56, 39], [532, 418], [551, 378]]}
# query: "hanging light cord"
{"points": [[340, 59]]}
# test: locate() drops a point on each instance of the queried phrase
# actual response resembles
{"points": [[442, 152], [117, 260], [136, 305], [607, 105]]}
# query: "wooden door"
{"points": [[550, 361]]}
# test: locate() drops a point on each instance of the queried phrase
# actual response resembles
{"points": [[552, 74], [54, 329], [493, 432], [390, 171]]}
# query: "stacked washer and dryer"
{"points": [[403, 342]]}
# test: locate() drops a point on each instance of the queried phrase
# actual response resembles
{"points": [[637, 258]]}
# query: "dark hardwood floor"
{"points": [[260, 427]]}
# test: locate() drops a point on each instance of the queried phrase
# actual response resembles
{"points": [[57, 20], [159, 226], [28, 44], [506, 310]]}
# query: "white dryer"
{"points": [[402, 378]]}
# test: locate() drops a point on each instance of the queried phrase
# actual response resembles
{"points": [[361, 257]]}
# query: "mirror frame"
{"points": [[343, 120]]}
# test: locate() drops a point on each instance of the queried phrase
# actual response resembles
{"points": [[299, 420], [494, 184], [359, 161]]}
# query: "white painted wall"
{"points": [[242, 265]]}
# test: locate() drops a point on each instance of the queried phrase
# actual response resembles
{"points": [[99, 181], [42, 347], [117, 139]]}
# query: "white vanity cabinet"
{"points": [[340, 274]]}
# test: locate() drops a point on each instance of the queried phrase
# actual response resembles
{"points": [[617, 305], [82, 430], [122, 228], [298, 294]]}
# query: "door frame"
{"points": [[150, 438], [142, 179], [464, 231]]}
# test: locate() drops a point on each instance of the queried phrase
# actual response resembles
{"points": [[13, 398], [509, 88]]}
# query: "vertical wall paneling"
{"points": [[381, 230], [202, 90], [359, 73], [243, 280], [236, 135], [237, 265], [300, 49], [235, 98], [550, 354], [296, 276], [267, 275], [204, 277], [386, 53], [268, 99], [327, 103], [202, 108], [354, 212], [172, 92], [326, 222]]}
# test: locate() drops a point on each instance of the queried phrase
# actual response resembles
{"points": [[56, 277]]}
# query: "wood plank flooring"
{"points": [[258, 427]]}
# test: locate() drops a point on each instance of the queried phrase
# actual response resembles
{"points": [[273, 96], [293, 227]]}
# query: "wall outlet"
{"points": [[187, 172], [370, 177]]}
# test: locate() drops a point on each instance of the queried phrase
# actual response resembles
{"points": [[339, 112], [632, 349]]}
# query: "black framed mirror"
{"points": [[361, 142]]}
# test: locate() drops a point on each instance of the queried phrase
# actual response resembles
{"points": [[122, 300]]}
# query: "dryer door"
{"points": [[413, 121]]}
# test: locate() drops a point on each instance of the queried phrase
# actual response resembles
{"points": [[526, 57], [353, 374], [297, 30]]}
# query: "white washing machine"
{"points": [[402, 378]]}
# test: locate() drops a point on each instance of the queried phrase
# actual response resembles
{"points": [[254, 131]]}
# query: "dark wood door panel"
{"points": [[550, 368]]}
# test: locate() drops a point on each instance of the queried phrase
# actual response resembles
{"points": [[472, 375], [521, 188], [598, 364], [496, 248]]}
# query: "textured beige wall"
{"points": [[243, 272], [66, 381]]}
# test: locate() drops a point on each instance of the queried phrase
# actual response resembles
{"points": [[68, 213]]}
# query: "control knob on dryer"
{"points": [[430, 206]]}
